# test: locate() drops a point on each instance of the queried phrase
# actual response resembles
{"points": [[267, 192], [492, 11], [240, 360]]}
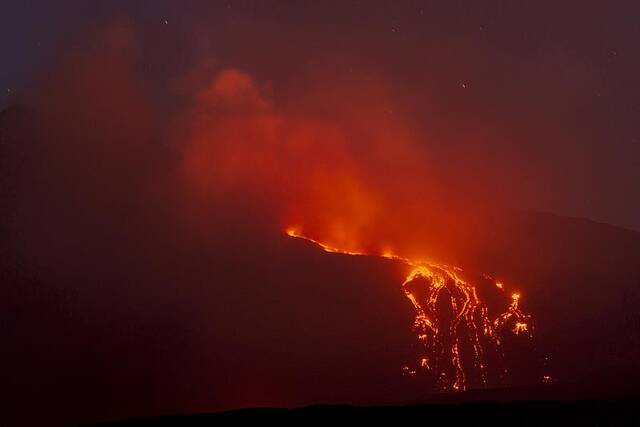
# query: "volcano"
{"points": [[242, 315]]}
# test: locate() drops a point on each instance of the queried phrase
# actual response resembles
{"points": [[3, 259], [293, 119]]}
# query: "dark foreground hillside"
{"points": [[478, 413]]}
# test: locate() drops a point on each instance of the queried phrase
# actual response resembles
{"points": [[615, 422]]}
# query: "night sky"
{"points": [[154, 154], [549, 88]]}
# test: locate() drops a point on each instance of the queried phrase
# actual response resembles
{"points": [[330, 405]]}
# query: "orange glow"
{"points": [[292, 232], [522, 323], [335, 163], [520, 327]]}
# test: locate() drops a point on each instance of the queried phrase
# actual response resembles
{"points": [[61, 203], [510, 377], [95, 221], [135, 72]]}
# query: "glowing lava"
{"points": [[458, 340], [520, 323]]}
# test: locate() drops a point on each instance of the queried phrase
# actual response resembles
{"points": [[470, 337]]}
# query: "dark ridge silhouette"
{"points": [[491, 413]]}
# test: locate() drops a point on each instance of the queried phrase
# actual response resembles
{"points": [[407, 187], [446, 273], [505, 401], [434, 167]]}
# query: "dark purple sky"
{"points": [[553, 88]]}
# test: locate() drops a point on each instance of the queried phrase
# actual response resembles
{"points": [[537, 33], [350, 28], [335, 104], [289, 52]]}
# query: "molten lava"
{"points": [[459, 345]]}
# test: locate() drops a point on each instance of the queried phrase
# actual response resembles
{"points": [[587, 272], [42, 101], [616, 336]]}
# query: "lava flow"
{"points": [[460, 347]]}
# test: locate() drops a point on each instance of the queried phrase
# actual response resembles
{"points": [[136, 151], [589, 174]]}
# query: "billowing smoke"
{"points": [[341, 158], [340, 163]]}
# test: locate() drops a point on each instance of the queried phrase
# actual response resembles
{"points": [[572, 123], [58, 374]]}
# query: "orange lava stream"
{"points": [[454, 339]]}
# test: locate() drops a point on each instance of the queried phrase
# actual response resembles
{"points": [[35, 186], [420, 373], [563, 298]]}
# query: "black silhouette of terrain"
{"points": [[597, 401], [478, 413]]}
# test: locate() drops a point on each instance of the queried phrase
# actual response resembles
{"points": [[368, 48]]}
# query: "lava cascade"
{"points": [[458, 344]]}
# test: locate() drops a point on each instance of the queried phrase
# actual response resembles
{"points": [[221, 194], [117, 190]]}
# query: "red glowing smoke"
{"points": [[340, 164]]}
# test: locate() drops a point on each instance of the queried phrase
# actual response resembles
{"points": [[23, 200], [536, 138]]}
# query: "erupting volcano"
{"points": [[459, 346], [319, 210]]}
